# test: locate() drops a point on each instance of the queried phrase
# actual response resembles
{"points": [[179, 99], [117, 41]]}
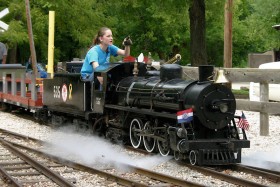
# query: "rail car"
{"points": [[155, 110], [18, 90]]}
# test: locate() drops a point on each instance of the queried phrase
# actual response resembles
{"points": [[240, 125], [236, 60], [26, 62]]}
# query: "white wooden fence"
{"points": [[262, 76]]}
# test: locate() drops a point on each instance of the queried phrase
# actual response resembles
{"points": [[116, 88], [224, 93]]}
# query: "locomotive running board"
{"points": [[142, 111]]}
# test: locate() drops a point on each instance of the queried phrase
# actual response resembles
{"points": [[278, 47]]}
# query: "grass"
{"points": [[243, 93]]}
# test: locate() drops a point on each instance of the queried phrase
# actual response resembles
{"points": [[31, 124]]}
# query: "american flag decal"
{"points": [[243, 123]]}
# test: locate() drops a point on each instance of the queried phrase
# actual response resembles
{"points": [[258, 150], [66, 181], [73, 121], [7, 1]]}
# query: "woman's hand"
{"points": [[127, 41]]}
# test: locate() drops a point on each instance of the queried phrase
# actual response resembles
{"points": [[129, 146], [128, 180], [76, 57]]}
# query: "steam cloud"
{"points": [[92, 150], [267, 160]]}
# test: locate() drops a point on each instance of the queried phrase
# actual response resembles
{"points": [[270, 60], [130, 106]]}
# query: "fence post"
{"points": [[22, 85], [264, 117], [13, 83], [5, 83], [33, 88]]}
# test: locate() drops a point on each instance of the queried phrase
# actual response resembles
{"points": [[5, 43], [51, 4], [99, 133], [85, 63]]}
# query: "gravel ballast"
{"points": [[262, 147]]}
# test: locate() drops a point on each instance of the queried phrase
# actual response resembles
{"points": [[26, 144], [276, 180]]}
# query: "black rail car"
{"points": [[142, 110]]}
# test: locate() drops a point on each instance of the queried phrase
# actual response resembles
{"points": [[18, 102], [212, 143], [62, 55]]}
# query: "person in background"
{"points": [[3, 53], [29, 70], [98, 56], [28, 65]]}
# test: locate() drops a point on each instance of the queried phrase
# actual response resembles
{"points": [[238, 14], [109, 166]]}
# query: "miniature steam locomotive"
{"points": [[154, 110], [143, 111]]}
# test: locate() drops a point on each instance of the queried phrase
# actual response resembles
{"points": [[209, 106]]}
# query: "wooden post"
{"points": [[31, 41], [22, 85], [228, 35], [13, 83], [5, 83], [264, 117], [33, 88]]}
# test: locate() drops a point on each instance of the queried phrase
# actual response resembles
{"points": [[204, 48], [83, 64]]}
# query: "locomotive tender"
{"points": [[141, 109]]}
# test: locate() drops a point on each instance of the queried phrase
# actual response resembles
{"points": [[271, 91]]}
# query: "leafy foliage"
{"points": [[253, 28], [159, 26]]}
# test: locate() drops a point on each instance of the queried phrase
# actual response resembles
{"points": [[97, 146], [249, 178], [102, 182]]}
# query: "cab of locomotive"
{"points": [[98, 91], [105, 93]]}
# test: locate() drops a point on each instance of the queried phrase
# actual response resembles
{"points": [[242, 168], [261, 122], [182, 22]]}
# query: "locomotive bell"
{"points": [[220, 77]]}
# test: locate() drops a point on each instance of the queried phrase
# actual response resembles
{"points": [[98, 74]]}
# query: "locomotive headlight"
{"points": [[223, 108], [220, 106]]}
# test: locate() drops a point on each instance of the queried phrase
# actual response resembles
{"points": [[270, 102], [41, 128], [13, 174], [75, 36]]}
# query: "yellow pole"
{"points": [[51, 43]]}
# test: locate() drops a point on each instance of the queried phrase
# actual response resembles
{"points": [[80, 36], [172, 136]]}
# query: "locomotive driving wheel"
{"points": [[163, 142], [135, 129], [149, 142], [193, 157], [176, 155]]}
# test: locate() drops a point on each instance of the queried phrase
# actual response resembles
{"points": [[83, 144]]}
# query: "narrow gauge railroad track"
{"points": [[268, 166], [266, 170], [207, 171], [212, 171], [271, 175], [19, 172], [141, 177]]}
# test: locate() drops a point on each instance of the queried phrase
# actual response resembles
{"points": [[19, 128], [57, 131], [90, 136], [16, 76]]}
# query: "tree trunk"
{"points": [[228, 34], [197, 33], [161, 55], [12, 55]]}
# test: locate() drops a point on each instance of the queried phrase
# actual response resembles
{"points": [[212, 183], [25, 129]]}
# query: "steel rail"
{"points": [[20, 135], [120, 180], [255, 171], [81, 167], [163, 177], [9, 179], [39, 167], [155, 175], [224, 177]]}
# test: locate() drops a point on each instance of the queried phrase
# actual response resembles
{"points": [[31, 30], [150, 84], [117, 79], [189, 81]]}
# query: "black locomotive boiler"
{"points": [[141, 109]]}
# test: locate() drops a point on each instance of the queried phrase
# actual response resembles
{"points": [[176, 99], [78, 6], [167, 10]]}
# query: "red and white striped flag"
{"points": [[243, 123], [185, 116]]}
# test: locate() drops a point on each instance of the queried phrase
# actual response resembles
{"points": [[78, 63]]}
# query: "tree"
{"points": [[163, 27], [228, 34], [252, 28], [197, 32], [74, 30], [156, 26], [215, 32], [16, 37]]}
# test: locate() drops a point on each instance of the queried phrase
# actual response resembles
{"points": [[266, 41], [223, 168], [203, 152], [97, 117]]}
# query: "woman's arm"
{"points": [[127, 43], [98, 67], [125, 52], [95, 65]]}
